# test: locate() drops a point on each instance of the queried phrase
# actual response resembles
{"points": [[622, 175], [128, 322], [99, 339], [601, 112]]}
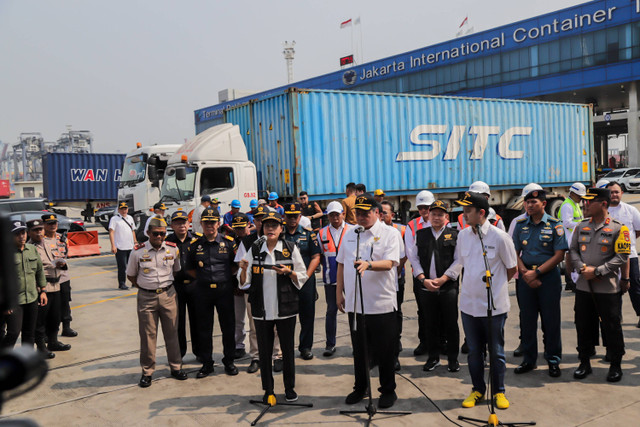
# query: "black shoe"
{"points": [[420, 350], [58, 346], [615, 373], [179, 375], [42, 348], [570, 287], [454, 366], [582, 371], [465, 348], [387, 400], [145, 381], [396, 365], [306, 354], [277, 365], [239, 353], [290, 395], [68, 332], [253, 366], [554, 370], [524, 368], [354, 397], [207, 368], [431, 365], [123, 288], [230, 369], [329, 351], [518, 351]]}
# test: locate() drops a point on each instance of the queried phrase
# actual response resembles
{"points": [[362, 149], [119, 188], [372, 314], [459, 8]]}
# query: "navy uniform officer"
{"points": [[151, 268], [307, 243], [600, 246], [210, 262], [540, 244], [183, 283]]}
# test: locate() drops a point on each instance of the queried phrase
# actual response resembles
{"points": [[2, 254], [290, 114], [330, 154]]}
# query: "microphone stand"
{"points": [[488, 279], [370, 409]]}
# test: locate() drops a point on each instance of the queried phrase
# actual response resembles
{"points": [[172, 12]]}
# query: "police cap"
{"points": [[292, 209], [536, 194], [239, 220], [47, 218], [179, 215], [272, 216], [366, 202], [35, 223], [261, 211], [476, 200], [157, 221], [210, 214], [439, 204], [598, 194]]}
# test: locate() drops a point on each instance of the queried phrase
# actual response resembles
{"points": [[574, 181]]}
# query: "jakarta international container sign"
{"points": [[82, 176]]}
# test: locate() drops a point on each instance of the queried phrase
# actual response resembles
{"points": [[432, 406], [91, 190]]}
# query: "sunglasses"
{"points": [[158, 233]]}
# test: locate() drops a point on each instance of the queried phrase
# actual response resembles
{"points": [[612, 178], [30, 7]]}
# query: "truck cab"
{"points": [[213, 163], [142, 174]]}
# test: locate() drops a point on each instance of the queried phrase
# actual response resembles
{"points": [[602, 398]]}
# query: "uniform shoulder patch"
{"points": [[138, 246], [554, 220], [229, 238], [195, 239], [198, 234], [623, 243], [615, 221], [170, 244], [522, 219]]}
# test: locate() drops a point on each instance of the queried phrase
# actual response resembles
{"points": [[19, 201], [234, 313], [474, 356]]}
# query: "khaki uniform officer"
{"points": [[151, 267]]}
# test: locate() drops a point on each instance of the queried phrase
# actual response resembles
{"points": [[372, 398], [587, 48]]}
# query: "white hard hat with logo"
{"points": [[530, 187], [480, 187], [603, 183], [579, 189], [334, 207], [425, 198]]}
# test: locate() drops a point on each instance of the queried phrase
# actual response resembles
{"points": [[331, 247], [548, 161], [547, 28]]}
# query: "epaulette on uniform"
{"points": [[554, 220], [229, 238], [197, 234], [139, 246], [524, 218], [171, 244]]}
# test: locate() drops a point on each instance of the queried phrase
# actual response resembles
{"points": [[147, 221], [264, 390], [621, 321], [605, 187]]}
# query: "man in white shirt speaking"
{"points": [[379, 255]]}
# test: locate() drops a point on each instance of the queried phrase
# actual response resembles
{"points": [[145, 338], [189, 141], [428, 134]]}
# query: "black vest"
{"points": [[442, 250], [287, 291]]}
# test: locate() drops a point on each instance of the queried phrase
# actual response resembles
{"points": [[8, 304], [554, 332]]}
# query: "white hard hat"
{"points": [[530, 187], [579, 189], [480, 187], [425, 198], [602, 183], [334, 207]]}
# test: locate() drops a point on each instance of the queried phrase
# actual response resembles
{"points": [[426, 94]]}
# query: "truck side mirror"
{"points": [[153, 173], [181, 174], [152, 160]]}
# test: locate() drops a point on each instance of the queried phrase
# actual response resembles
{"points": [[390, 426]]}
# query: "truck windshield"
{"points": [[134, 170], [175, 189]]}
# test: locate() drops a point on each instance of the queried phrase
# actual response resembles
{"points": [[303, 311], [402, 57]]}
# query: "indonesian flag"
{"points": [[466, 19], [346, 23], [464, 28]]}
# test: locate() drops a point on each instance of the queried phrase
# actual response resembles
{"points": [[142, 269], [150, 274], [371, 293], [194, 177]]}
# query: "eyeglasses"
{"points": [[422, 207], [158, 233]]}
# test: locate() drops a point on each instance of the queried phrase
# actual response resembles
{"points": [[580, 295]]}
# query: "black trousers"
{"points": [[65, 299], [22, 320], [417, 288], [265, 336], [441, 320], [400, 300], [382, 329], [186, 300], [588, 307], [122, 258], [48, 322], [208, 300], [307, 312]]}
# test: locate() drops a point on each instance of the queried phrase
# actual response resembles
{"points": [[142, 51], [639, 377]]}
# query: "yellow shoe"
{"points": [[473, 398], [501, 401]]}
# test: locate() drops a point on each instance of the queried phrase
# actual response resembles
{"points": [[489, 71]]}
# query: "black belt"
{"points": [[156, 291], [53, 280], [213, 285]]}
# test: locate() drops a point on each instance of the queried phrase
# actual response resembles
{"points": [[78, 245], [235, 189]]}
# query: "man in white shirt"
{"points": [[205, 202], [503, 263], [629, 216], [378, 257], [571, 215], [122, 235]]}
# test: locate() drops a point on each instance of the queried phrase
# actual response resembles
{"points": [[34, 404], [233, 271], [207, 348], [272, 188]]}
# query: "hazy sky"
{"points": [[134, 70]]}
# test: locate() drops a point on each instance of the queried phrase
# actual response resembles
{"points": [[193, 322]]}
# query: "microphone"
{"points": [[262, 239], [359, 229]]}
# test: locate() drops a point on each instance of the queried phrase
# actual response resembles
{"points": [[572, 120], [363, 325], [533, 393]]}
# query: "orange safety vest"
{"points": [[401, 228], [415, 225], [329, 253]]}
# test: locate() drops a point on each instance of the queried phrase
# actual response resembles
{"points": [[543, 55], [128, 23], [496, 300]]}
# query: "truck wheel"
{"points": [[553, 207]]}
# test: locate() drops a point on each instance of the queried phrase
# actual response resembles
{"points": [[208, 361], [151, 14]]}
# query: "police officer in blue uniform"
{"points": [[307, 243], [210, 262], [182, 282], [540, 244]]}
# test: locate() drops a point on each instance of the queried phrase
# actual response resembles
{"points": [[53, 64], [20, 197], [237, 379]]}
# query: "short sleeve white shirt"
{"points": [[379, 288], [122, 231], [629, 216]]}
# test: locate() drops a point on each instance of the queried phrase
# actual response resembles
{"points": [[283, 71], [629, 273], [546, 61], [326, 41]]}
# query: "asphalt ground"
{"points": [[96, 382]]}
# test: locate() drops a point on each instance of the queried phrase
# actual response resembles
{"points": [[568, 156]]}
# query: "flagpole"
{"points": [[361, 46], [352, 48]]}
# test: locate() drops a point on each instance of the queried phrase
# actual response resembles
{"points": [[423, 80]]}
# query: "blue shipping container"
{"points": [[318, 141], [81, 176]]}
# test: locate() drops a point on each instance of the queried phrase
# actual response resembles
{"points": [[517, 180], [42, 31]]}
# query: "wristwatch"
{"points": [[625, 280], [597, 272], [370, 266]]}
